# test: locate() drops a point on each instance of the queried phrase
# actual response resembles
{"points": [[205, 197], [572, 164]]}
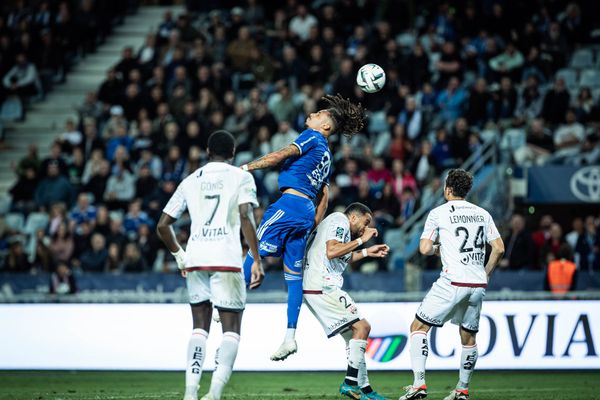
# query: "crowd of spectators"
{"points": [[526, 249], [41, 40], [461, 75]]}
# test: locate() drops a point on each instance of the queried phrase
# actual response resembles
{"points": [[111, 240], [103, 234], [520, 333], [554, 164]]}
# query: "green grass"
{"points": [[486, 385]]}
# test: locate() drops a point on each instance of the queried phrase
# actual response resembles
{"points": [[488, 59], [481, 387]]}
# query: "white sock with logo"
{"points": [[363, 375], [468, 358], [356, 358], [224, 359], [419, 349], [196, 354]]}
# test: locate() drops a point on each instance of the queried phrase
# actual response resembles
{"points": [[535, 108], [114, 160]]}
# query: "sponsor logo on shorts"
{"points": [[194, 298], [429, 319], [268, 247], [337, 324]]}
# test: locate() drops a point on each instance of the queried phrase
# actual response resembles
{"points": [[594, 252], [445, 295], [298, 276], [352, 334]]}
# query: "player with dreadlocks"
{"points": [[303, 180]]}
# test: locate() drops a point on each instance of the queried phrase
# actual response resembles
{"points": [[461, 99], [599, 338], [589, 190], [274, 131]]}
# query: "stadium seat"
{"points": [[590, 78], [583, 58], [568, 75], [4, 203], [35, 221], [15, 221]]}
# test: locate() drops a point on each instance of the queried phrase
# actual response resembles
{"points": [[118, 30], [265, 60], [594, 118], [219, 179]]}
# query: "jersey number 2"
{"points": [[478, 242], [216, 197]]}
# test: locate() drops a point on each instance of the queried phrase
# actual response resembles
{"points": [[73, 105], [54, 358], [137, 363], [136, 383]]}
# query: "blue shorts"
{"points": [[284, 230]]}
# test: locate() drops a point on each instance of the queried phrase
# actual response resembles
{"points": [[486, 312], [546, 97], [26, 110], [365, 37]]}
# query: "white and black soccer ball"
{"points": [[370, 78]]}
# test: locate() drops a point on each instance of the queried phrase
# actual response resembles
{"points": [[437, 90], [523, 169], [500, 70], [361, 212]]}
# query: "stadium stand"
{"points": [[465, 87]]}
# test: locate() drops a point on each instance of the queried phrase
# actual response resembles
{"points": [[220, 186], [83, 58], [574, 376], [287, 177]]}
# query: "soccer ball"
{"points": [[370, 78]]}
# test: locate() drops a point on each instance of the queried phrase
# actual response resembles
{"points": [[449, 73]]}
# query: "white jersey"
{"points": [[320, 272], [463, 230], [212, 194]]}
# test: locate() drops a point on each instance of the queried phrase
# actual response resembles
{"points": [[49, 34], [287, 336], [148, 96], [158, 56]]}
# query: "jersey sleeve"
{"points": [[177, 204], [430, 231], [337, 228], [247, 192], [491, 232], [306, 141]]}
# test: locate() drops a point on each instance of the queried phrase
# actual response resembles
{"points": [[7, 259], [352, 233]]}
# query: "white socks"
{"points": [[225, 358], [419, 349], [290, 335], [468, 358], [356, 358], [196, 354], [363, 375]]}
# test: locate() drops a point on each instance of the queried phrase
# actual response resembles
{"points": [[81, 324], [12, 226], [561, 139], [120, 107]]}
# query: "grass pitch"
{"points": [[486, 385]]}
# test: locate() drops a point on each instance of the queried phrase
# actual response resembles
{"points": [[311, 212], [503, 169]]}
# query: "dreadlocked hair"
{"points": [[349, 118]]}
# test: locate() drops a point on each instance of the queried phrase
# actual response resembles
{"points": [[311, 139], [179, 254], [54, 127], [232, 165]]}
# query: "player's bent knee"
{"points": [[419, 326], [361, 329]]}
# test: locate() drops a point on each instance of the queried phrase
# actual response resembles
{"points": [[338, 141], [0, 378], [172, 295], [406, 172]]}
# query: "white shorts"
{"points": [[335, 310], [226, 290], [446, 301]]}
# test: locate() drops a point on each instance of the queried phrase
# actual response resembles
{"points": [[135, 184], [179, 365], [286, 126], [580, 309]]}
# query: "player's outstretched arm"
{"points": [[337, 249], [495, 256], [272, 159], [322, 202], [249, 230], [375, 251], [165, 232]]}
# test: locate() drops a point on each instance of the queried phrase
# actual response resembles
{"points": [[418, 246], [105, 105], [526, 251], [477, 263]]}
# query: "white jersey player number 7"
{"points": [[212, 195], [462, 230]]}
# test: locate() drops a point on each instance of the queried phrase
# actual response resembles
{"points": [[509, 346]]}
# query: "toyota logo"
{"points": [[585, 184]]}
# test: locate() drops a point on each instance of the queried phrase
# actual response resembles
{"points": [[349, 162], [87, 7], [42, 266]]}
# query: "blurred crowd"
{"points": [[458, 76], [534, 249], [41, 40]]}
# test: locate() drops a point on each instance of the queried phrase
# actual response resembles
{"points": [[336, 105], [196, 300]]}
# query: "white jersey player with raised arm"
{"points": [[212, 194], [319, 271]]}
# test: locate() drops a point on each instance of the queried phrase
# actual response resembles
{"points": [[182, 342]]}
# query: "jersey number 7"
{"points": [[216, 197]]}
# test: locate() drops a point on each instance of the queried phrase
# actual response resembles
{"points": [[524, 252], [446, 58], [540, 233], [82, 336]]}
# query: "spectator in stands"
{"points": [[136, 217], [16, 261], [520, 249], [53, 188], [552, 245], [568, 138], [95, 259], [301, 23], [132, 259], [83, 210], [450, 101], [542, 234], [23, 191], [62, 245], [62, 280], [508, 63], [539, 145], [120, 188], [556, 103], [71, 137], [22, 79]]}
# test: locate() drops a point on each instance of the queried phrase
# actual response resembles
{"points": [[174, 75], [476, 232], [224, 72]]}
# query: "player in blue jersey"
{"points": [[303, 181]]}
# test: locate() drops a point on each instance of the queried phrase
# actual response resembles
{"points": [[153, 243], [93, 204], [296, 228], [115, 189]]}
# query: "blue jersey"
{"points": [[308, 172]]}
